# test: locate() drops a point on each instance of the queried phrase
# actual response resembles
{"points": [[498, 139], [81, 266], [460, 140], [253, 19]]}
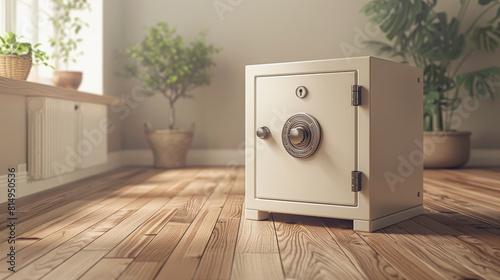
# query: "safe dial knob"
{"points": [[301, 135], [298, 135], [263, 132]]}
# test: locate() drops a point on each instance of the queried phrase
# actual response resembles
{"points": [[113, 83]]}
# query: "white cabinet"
{"points": [[335, 138]]}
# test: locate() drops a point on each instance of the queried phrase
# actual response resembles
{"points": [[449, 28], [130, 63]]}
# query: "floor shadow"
{"points": [[445, 224], [438, 224]]}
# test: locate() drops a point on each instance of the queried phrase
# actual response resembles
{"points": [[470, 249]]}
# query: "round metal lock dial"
{"points": [[263, 132], [301, 135]]}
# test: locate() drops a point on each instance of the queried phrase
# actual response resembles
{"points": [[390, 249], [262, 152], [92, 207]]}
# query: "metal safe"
{"points": [[339, 138]]}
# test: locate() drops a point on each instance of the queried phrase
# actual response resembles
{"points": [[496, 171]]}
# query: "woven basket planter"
{"points": [[15, 66], [169, 146]]}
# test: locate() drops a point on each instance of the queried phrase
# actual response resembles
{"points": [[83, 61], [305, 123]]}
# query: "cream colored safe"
{"points": [[339, 138]]}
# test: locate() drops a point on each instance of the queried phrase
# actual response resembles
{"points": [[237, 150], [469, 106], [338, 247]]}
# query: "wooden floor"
{"points": [[138, 223]]}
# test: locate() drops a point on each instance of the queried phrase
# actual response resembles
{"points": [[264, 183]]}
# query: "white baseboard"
{"points": [[25, 187], [484, 158], [20, 180], [213, 157], [195, 157], [220, 157], [117, 159]]}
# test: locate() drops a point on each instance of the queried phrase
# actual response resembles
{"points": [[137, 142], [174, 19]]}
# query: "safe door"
{"points": [[306, 138]]}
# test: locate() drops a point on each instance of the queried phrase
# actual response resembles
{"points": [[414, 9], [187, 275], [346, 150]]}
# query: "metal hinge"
{"points": [[355, 95], [356, 181]]}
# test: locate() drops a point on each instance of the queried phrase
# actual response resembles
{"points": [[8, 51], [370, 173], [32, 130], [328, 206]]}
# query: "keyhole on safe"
{"points": [[301, 92]]}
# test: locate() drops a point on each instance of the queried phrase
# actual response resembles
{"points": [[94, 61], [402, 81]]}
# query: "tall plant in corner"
{"points": [[67, 27], [441, 45], [165, 65]]}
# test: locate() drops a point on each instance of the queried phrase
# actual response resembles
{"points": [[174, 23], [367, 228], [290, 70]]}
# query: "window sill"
{"points": [[25, 88]]}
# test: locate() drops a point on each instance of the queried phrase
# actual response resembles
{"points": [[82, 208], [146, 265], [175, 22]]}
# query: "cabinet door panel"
{"points": [[92, 134], [324, 177]]}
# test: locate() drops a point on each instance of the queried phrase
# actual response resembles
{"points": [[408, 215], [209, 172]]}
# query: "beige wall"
{"points": [[250, 32], [12, 131], [112, 85]]}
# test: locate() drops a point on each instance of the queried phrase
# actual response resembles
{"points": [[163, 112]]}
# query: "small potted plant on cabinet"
{"points": [[437, 43], [16, 57], [165, 65], [67, 27]]}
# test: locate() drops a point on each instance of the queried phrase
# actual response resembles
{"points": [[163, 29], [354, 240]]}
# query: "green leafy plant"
{"points": [[67, 28], [165, 64], [440, 45], [11, 44]]}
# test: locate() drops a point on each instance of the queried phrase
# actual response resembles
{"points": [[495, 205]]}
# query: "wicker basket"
{"points": [[15, 66], [169, 147]]}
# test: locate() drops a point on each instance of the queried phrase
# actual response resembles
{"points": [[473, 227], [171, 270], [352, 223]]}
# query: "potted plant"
{"points": [[441, 45], [16, 57], [165, 65], [67, 27]]}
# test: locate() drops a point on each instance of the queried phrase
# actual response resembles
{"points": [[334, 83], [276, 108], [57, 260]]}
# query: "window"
{"points": [[7, 8], [2, 18], [30, 19]]}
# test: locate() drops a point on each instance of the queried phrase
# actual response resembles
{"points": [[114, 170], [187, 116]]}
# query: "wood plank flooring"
{"points": [[142, 223]]}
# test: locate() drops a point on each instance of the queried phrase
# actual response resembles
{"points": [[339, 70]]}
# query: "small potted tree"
{"points": [[67, 28], [16, 57], [437, 43], [165, 65]]}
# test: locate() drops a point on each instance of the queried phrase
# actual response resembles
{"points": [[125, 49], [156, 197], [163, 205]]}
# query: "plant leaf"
{"points": [[485, 2], [482, 83], [486, 38]]}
